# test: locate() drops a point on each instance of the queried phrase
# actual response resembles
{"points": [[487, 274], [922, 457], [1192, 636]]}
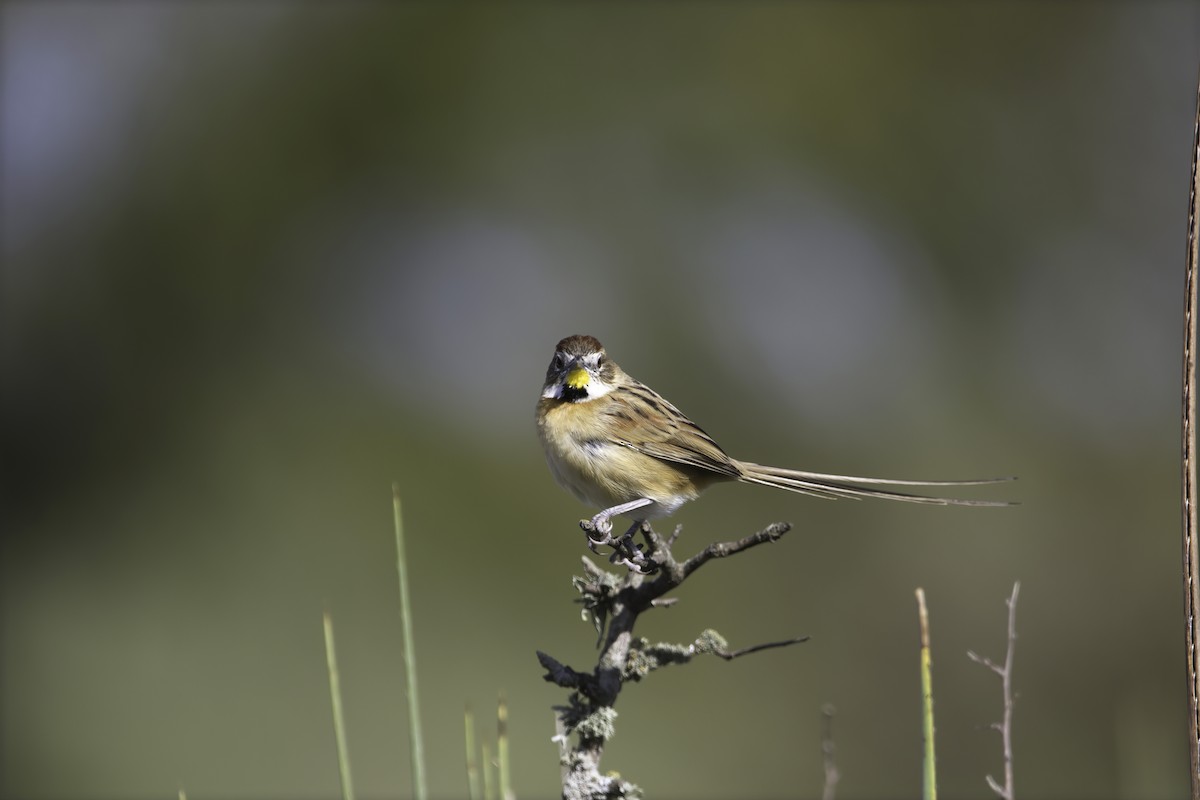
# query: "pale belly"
{"points": [[603, 475]]}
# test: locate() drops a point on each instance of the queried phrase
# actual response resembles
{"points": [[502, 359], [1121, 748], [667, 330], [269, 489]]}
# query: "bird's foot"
{"points": [[624, 551], [601, 524]]}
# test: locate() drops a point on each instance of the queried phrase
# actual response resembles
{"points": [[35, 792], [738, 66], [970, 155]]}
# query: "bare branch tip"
{"points": [[745, 651]]}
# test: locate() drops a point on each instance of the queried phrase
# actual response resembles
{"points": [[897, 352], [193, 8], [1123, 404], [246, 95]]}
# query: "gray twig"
{"points": [[832, 776], [771, 533], [1005, 792], [745, 651], [674, 536]]}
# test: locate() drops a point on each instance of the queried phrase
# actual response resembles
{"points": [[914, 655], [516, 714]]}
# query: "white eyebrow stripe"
{"points": [[591, 359]]}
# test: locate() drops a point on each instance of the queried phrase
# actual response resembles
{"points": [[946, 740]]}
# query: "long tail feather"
{"points": [[821, 476], [842, 486]]}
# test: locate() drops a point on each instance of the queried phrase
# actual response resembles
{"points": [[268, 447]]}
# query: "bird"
{"points": [[618, 445]]}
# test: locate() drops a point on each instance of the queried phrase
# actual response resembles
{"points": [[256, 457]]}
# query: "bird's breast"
{"points": [[586, 461]]}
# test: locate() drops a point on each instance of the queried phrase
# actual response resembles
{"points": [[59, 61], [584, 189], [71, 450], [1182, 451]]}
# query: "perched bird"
{"points": [[616, 444]]}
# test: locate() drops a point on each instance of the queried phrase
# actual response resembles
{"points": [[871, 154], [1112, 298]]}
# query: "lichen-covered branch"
{"points": [[613, 602], [771, 533]]}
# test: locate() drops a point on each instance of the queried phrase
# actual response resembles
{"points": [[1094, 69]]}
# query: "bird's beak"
{"points": [[577, 376]]}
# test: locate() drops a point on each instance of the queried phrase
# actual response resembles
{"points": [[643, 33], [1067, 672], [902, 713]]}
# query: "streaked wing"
{"points": [[652, 426]]}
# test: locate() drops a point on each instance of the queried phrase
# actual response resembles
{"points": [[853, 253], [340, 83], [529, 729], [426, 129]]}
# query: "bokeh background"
{"points": [[260, 260]]}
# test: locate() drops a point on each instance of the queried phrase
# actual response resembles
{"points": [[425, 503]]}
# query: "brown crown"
{"points": [[579, 345]]}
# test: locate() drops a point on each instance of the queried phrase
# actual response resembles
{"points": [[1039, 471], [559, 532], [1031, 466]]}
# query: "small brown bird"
{"points": [[616, 444]]}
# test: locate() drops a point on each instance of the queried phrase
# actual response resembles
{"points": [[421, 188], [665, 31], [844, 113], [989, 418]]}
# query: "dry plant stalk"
{"points": [[1005, 672], [929, 772], [832, 776], [1191, 491]]}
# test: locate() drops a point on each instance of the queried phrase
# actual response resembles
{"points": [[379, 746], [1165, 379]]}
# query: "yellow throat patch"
{"points": [[577, 378]]}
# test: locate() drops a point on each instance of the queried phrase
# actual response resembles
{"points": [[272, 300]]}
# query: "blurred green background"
{"points": [[260, 260]]}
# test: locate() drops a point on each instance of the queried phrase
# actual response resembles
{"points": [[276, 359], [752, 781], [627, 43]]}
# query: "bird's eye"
{"points": [[559, 360]]}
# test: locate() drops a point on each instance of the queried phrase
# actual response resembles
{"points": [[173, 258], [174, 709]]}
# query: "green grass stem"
{"points": [[489, 774], [472, 764], [417, 749], [506, 792], [339, 724], [930, 771]]}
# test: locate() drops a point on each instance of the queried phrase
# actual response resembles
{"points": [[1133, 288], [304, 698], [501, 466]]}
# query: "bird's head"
{"points": [[580, 370]]}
